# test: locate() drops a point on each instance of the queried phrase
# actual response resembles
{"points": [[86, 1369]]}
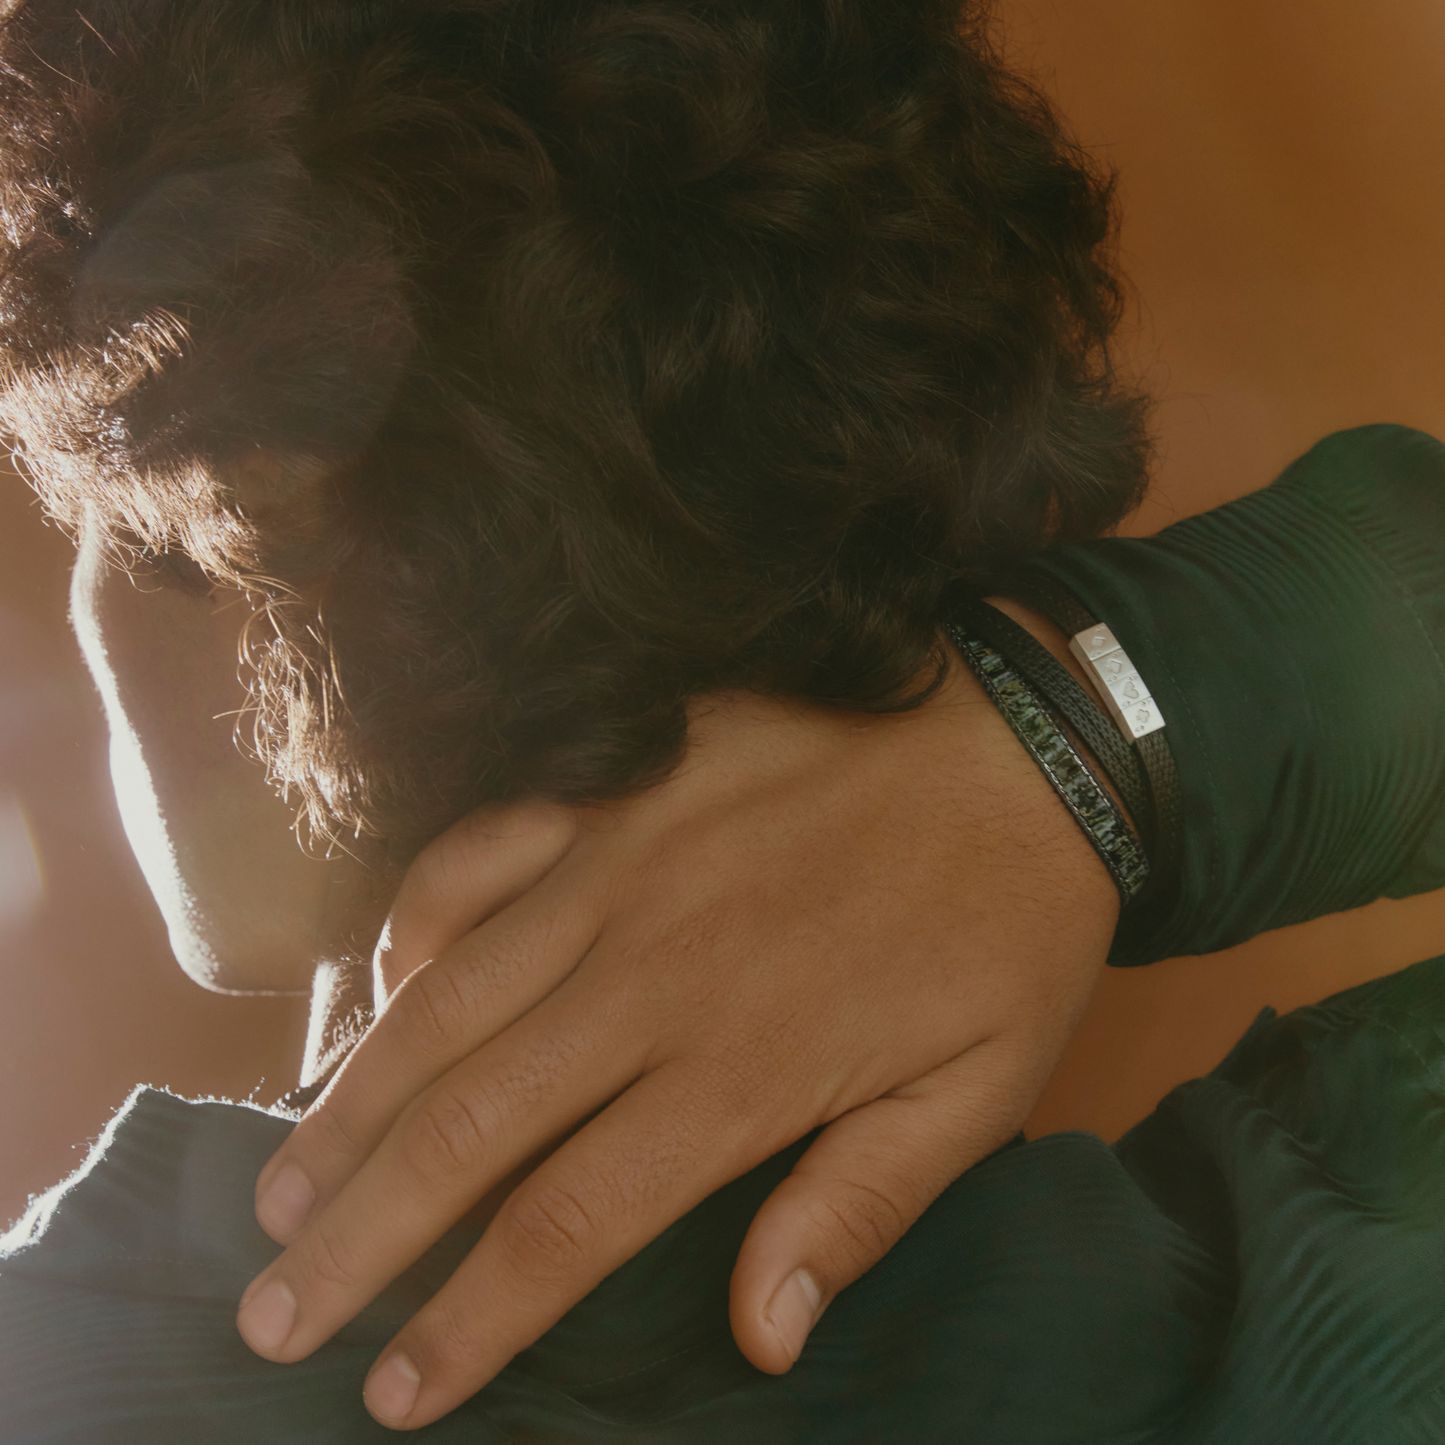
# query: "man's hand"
{"points": [[888, 926]]}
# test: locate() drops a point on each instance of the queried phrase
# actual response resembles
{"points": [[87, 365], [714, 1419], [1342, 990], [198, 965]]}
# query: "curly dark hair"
{"points": [[539, 365]]}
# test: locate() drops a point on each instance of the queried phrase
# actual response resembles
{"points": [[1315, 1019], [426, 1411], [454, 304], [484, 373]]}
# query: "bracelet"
{"points": [[1094, 810], [1046, 675], [1044, 593]]}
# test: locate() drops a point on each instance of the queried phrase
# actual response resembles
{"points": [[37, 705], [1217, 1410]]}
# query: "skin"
{"points": [[591, 1019]]}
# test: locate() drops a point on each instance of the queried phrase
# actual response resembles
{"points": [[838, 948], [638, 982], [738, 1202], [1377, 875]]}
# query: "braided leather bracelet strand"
{"points": [[1082, 793], [1056, 684]]}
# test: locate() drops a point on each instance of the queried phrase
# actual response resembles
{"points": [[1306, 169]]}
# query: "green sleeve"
{"points": [[1293, 640]]}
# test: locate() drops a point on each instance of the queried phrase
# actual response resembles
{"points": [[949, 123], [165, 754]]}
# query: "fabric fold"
{"points": [[1294, 640], [1260, 1262]]}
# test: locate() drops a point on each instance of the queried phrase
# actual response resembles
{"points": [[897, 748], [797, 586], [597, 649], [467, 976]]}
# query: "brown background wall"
{"points": [[1280, 165]]}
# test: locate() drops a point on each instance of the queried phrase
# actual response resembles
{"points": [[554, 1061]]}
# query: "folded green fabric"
{"points": [[1294, 640], [1261, 1262]]}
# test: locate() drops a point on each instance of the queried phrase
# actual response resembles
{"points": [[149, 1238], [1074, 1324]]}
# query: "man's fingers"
{"points": [[444, 1013], [465, 1134], [860, 1185], [471, 872], [652, 1155]]}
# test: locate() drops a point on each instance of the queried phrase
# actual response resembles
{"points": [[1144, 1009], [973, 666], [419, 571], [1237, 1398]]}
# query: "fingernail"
{"points": [[793, 1311], [265, 1319], [391, 1389], [284, 1204]]}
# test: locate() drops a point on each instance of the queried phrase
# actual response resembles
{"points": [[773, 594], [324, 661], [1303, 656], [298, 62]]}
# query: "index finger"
{"points": [[482, 863], [445, 1011], [453, 1145]]}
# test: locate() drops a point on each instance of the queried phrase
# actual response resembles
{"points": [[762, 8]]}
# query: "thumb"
{"points": [[859, 1187]]}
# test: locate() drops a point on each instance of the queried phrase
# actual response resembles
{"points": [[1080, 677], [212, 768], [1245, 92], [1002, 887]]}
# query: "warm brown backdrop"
{"points": [[1280, 165]]}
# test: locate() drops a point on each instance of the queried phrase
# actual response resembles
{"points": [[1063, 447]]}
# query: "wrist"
{"points": [[999, 770]]}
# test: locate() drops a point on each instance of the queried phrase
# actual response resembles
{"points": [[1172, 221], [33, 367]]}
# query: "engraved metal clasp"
{"points": [[1125, 694]]}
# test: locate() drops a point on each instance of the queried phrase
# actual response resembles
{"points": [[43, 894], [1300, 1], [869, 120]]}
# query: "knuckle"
{"points": [[549, 1234], [449, 1136], [730, 1079], [330, 1135], [329, 1261], [860, 1221], [553, 826], [434, 1007], [495, 962], [445, 1339]]}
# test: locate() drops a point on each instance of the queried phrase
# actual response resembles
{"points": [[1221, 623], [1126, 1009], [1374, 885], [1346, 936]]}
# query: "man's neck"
{"points": [[341, 1010]]}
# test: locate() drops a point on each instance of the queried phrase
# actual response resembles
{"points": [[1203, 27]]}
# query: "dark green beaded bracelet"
{"points": [[1094, 810]]}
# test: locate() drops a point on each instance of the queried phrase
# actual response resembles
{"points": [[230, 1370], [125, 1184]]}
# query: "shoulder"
{"points": [[1367, 458], [167, 1176], [118, 1291]]}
